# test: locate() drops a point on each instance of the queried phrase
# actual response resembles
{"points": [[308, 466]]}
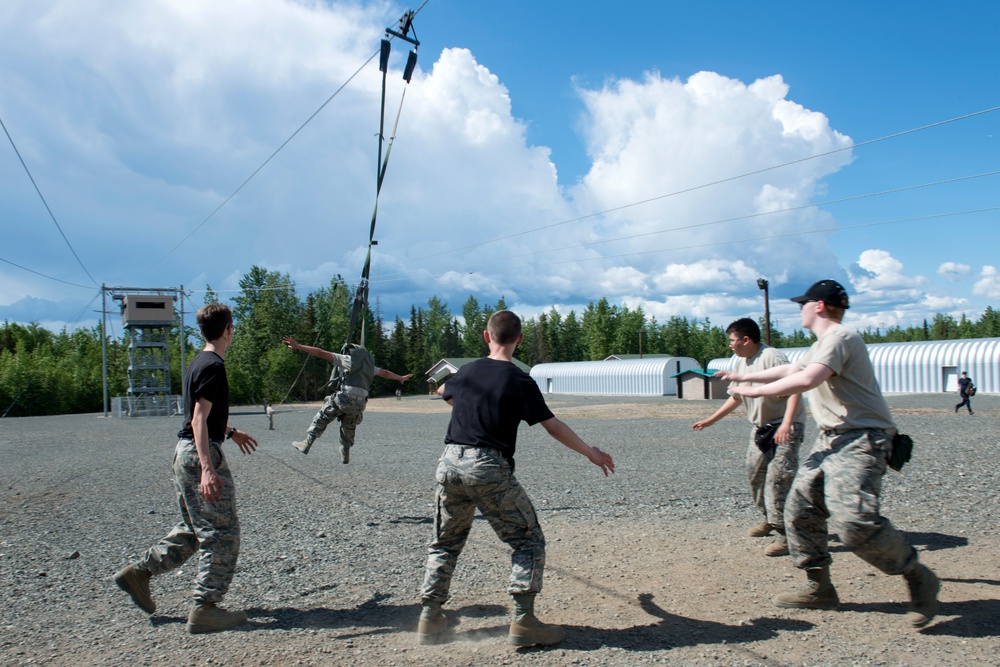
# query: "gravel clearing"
{"points": [[649, 566]]}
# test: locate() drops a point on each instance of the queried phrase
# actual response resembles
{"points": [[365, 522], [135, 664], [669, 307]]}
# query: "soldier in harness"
{"points": [[352, 378]]}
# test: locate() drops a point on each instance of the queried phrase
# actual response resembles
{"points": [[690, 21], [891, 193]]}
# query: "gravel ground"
{"points": [[650, 566]]}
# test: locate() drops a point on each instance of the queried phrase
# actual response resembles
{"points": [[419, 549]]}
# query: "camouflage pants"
{"points": [[840, 483], [471, 477], [771, 475], [212, 530], [348, 408]]}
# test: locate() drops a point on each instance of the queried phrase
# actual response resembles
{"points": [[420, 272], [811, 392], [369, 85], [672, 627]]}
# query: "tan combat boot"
{"points": [[207, 617], [924, 586], [136, 583], [433, 626], [779, 547], [303, 445], [819, 593], [527, 630], [762, 529]]}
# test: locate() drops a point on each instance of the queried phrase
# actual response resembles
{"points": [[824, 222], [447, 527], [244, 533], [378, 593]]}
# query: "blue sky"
{"points": [[658, 155]]}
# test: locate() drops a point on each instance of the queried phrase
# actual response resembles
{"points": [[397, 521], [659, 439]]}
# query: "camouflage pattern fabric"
{"points": [[771, 475], [212, 530], [840, 484], [479, 477], [348, 408]]}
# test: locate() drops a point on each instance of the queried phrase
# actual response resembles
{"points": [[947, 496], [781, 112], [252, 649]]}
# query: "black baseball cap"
{"points": [[829, 292]]}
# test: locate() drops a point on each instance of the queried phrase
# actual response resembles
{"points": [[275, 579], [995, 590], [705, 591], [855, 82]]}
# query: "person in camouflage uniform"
{"points": [[840, 482], [489, 399], [769, 471], [347, 404], [206, 493]]}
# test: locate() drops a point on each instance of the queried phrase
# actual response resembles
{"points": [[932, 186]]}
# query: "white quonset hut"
{"points": [[631, 377], [923, 366]]}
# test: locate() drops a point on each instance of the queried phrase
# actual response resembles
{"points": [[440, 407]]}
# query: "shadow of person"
{"points": [[972, 618], [936, 541], [673, 631], [371, 617]]}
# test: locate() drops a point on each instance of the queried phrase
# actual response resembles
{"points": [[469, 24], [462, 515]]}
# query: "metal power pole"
{"points": [[104, 343], [763, 284]]}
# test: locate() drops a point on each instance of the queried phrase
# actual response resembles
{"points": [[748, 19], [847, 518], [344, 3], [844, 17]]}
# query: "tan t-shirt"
{"points": [[851, 397], [769, 408]]}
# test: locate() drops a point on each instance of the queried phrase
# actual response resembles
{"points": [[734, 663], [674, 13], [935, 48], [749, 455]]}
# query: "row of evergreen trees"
{"points": [[43, 373]]}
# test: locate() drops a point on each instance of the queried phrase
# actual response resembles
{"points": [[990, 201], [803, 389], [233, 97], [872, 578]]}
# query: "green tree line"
{"points": [[43, 373]]}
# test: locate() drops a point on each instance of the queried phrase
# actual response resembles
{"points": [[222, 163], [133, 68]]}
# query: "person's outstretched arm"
{"points": [[389, 375], [559, 430], [731, 404], [308, 349]]}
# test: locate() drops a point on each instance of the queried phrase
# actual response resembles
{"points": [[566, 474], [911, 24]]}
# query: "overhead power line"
{"points": [[47, 208], [748, 216], [37, 273], [766, 237], [704, 185]]}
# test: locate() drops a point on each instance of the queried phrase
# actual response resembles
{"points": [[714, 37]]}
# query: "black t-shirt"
{"points": [[490, 399], [205, 377]]}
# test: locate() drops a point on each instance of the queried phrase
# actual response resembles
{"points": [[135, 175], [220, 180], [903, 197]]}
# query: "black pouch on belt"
{"points": [[902, 449]]}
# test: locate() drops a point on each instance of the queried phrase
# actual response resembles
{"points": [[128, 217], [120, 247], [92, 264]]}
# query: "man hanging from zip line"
{"points": [[347, 403]]}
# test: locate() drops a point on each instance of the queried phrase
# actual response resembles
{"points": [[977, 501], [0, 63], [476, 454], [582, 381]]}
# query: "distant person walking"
{"points": [[965, 390]]}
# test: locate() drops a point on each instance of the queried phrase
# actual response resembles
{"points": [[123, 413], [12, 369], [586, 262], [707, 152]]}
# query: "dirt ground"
{"points": [[675, 582]]}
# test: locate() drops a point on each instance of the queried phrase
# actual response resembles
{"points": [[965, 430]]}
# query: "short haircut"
{"points": [[504, 327], [836, 313], [745, 327], [213, 318]]}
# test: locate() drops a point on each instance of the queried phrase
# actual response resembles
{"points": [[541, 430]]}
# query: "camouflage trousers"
{"points": [[212, 530], [471, 477], [840, 484], [348, 408], [771, 475]]}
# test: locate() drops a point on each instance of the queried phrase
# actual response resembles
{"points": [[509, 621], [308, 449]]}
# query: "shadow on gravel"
{"points": [[936, 541], [369, 618], [672, 631], [972, 618]]}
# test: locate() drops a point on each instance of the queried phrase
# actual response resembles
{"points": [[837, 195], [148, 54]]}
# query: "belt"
{"points": [[833, 433], [355, 391], [477, 447]]}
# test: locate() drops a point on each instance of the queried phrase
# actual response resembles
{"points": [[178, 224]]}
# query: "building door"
{"points": [[949, 378]]}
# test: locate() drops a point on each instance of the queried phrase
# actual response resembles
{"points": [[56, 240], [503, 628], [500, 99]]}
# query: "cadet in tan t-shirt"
{"points": [[840, 482], [770, 471]]}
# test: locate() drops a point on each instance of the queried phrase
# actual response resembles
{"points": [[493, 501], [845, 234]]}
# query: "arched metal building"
{"points": [[923, 366], [631, 377]]}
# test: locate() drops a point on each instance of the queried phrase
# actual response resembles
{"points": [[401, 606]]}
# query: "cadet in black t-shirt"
{"points": [[206, 493], [490, 397]]}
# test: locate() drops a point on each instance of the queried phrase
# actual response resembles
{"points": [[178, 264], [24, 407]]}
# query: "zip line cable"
{"points": [[258, 169], [733, 219], [47, 208], [708, 185], [271, 157], [405, 26]]}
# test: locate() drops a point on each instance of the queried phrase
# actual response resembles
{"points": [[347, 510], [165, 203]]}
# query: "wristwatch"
{"points": [[229, 434]]}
